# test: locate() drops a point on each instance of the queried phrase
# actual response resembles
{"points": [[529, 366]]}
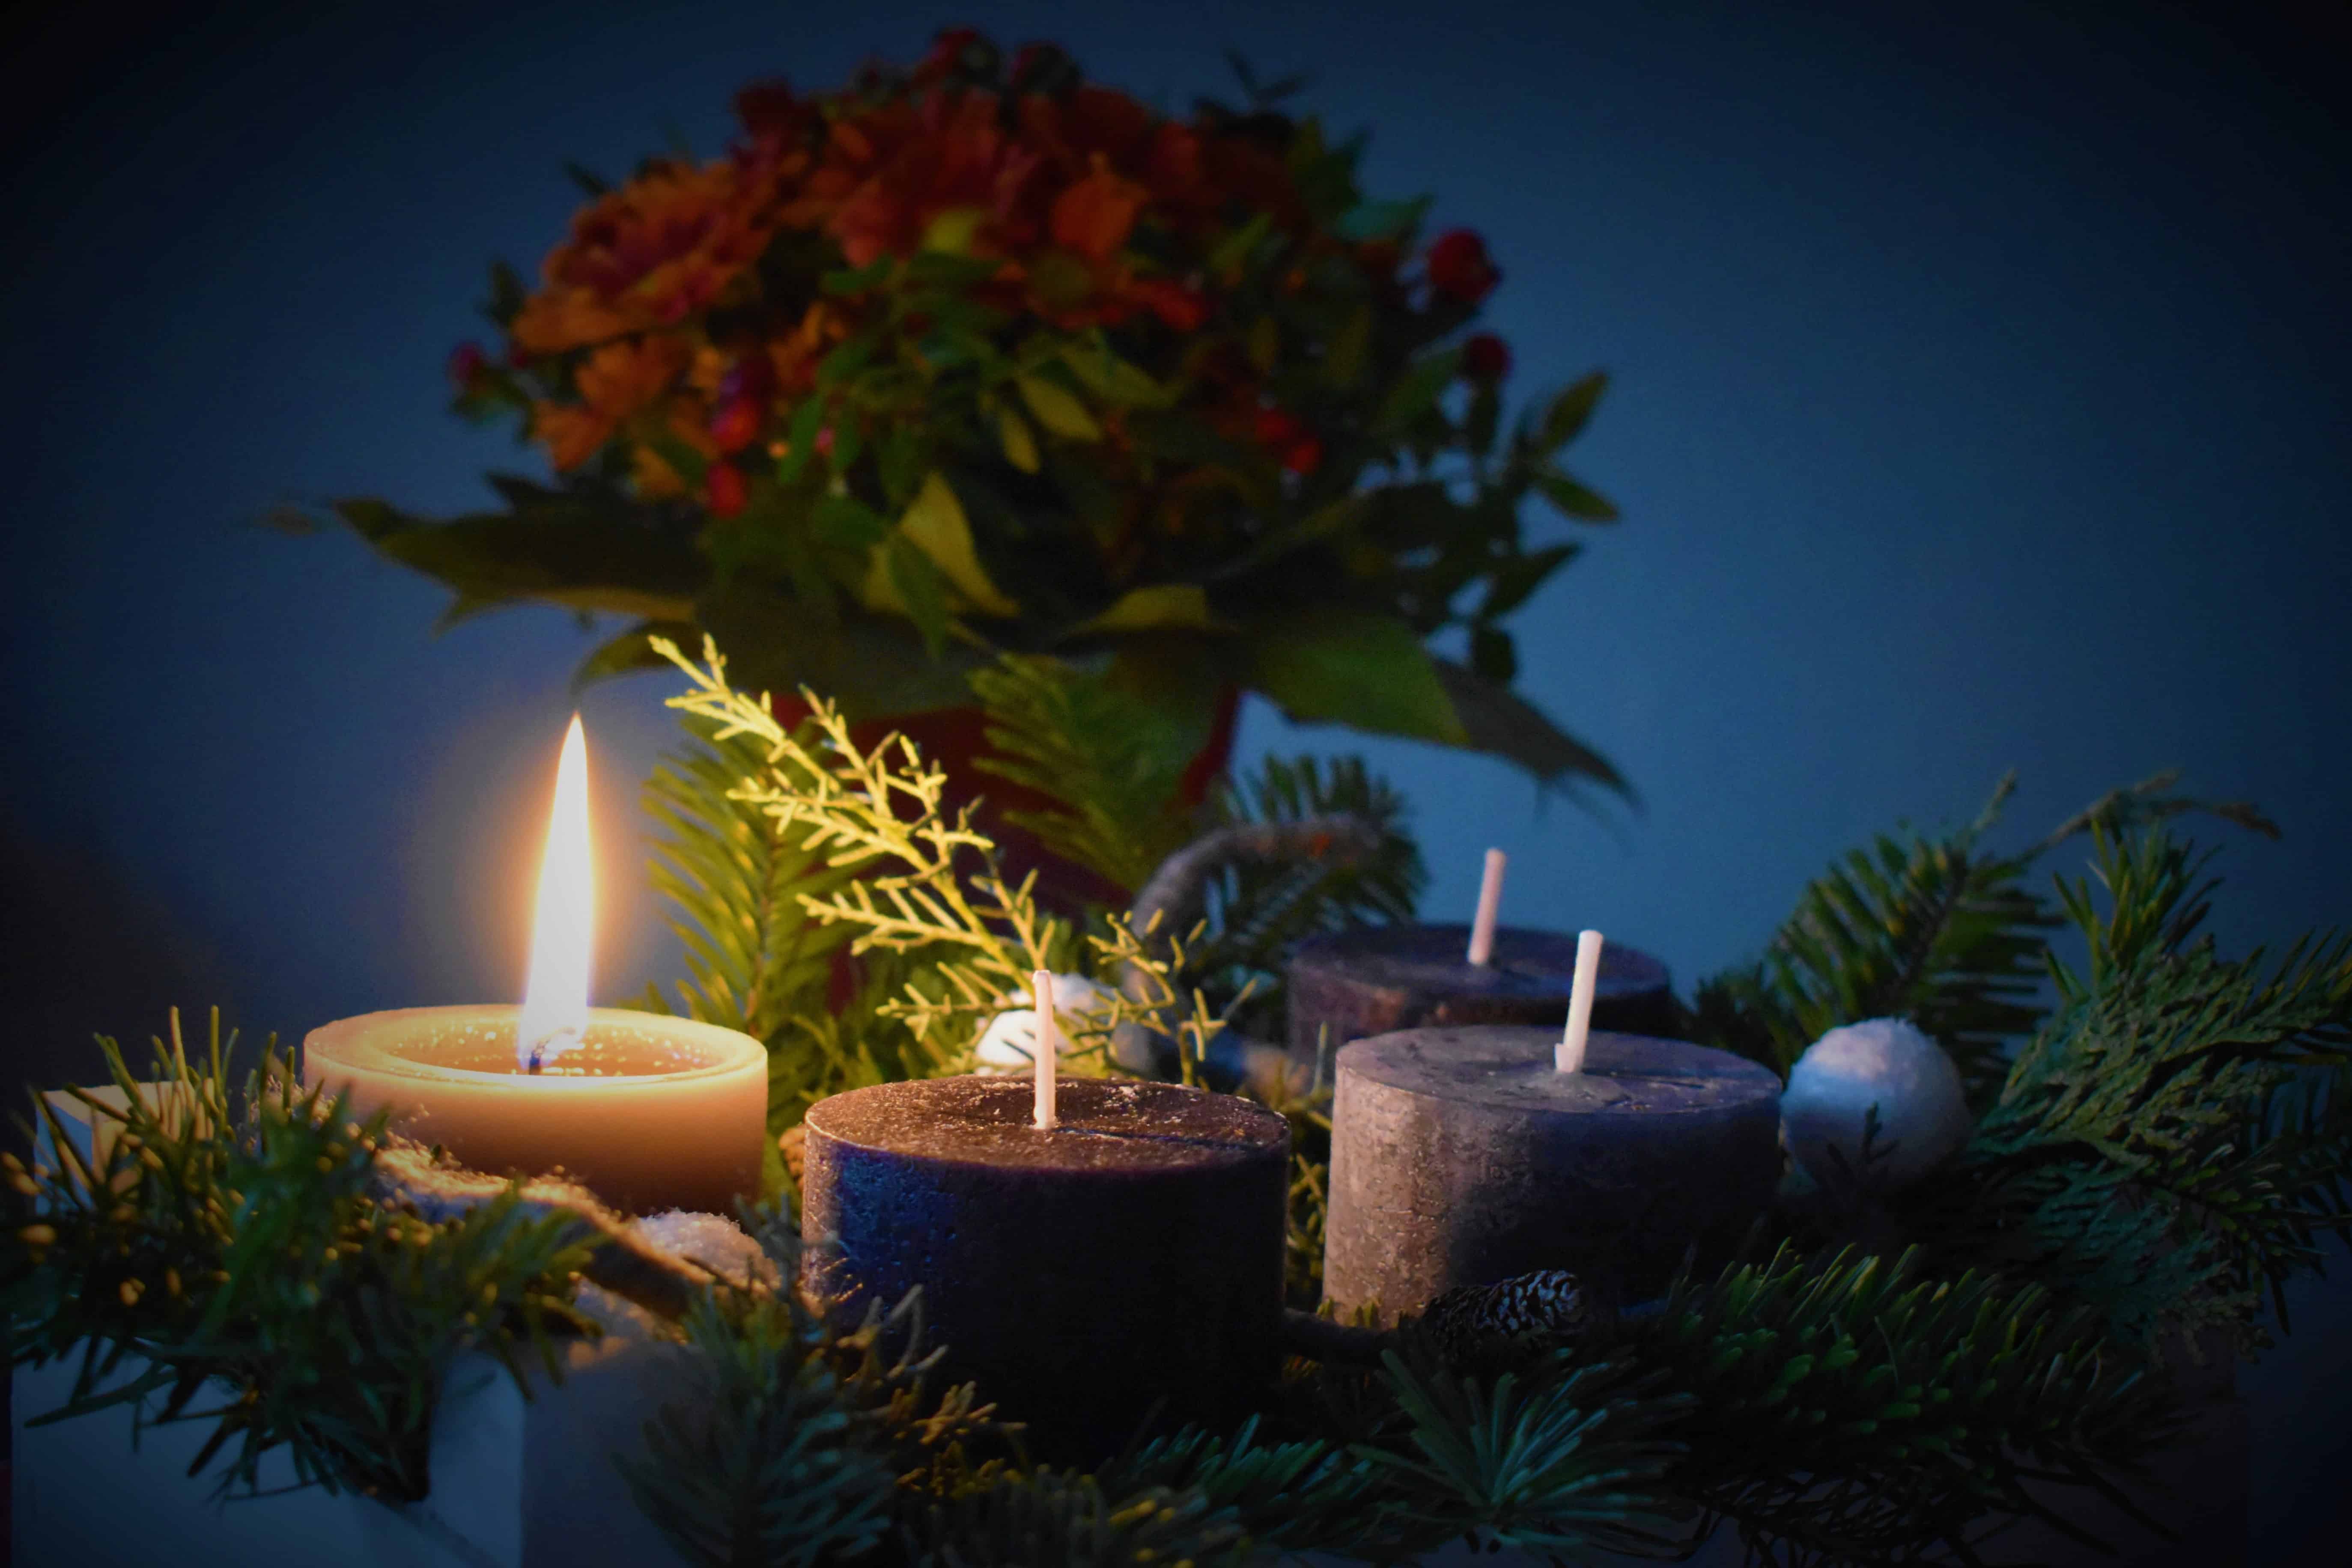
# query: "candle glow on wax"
{"points": [[1490, 904], [1569, 1056], [1047, 1051], [564, 920]]}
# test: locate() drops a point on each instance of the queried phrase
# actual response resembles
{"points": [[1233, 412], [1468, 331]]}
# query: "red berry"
{"points": [[1179, 309], [1486, 359], [735, 426], [724, 491], [1459, 267], [467, 365]]}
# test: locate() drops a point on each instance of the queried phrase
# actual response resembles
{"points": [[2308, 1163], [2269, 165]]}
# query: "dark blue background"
{"points": [[1980, 401]]}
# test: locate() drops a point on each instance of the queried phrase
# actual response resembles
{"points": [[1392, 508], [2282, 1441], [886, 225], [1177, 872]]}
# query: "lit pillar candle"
{"points": [[649, 1112]]}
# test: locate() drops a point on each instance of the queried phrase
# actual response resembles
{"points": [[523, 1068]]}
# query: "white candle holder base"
{"points": [[516, 1483]]}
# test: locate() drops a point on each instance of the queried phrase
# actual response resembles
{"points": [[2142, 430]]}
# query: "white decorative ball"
{"points": [[1923, 1114], [1009, 1042]]}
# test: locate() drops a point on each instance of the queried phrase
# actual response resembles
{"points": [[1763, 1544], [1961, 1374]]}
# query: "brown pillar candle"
{"points": [[1465, 1157], [1382, 978], [1123, 1263]]}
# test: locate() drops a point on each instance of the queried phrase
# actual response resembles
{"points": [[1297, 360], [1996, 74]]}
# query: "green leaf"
{"points": [[936, 524], [1511, 582], [1574, 499], [800, 440], [1345, 355], [1057, 410], [873, 663], [1492, 655], [917, 587], [1486, 411], [1383, 220], [1502, 723], [563, 557], [1570, 411], [631, 652], [1351, 667], [849, 523], [1182, 605], [1020, 445], [1232, 252], [1112, 378], [1416, 391]]}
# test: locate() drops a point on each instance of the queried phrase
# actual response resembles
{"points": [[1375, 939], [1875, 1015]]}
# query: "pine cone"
{"points": [[1534, 1311], [793, 1145]]}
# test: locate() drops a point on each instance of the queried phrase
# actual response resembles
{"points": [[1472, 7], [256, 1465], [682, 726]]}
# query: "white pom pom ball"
{"points": [[1923, 1114], [1010, 1041]]}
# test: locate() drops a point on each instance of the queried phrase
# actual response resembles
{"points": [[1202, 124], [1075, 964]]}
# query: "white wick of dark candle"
{"points": [[1569, 1056], [1490, 904], [1047, 1051]]}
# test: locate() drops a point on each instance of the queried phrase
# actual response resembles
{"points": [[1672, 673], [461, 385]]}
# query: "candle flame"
{"points": [[564, 920]]}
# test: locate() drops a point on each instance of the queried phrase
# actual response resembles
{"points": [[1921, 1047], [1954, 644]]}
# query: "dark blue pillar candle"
{"points": [[1125, 1264], [1462, 1156], [1382, 978]]}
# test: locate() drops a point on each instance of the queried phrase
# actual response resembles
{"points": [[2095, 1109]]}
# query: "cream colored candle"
{"points": [[649, 1113]]}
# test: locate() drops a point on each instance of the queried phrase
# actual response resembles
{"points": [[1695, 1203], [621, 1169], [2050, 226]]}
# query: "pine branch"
{"points": [[2174, 1141], [253, 1252], [1258, 910], [1562, 1461], [735, 882], [1933, 929], [1860, 1409], [1937, 930], [1114, 764]]}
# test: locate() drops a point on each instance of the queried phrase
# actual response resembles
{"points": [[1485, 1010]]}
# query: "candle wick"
{"points": [[1490, 904], [1568, 1055], [534, 1058]]}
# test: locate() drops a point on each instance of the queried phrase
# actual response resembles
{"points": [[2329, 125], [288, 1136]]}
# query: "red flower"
{"points": [[1181, 308], [770, 111], [467, 364], [1486, 359], [1290, 439], [1459, 268], [1093, 215], [735, 425], [723, 490]]}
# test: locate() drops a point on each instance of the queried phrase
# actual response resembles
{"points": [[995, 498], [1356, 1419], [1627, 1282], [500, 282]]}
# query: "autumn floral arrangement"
{"points": [[980, 359]]}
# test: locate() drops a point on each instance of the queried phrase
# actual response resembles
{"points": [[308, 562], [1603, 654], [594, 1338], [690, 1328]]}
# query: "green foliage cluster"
{"points": [[225, 1259]]}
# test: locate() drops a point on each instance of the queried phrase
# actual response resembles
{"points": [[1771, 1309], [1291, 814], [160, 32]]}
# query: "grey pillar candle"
{"points": [[1382, 978], [1125, 1261], [1462, 1156]]}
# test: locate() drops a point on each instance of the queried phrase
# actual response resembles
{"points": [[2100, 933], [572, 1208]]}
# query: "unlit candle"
{"points": [[1569, 1057], [1490, 904], [1047, 1051]]}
